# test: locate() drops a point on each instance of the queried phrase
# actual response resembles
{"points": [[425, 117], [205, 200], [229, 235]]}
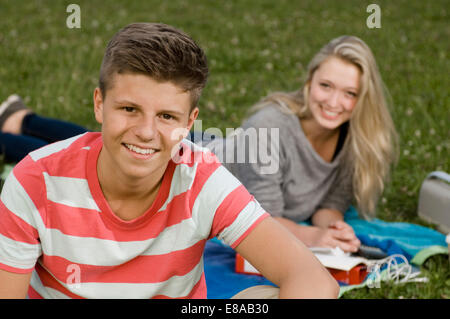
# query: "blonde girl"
{"points": [[335, 144]]}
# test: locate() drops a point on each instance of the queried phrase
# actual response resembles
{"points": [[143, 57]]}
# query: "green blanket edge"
{"points": [[417, 260]]}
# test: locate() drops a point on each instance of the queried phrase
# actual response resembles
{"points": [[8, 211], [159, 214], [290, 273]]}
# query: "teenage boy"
{"points": [[126, 213]]}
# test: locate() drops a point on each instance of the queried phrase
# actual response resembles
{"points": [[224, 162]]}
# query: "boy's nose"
{"points": [[146, 129]]}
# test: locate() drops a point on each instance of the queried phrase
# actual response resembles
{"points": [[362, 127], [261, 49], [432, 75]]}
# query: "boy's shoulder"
{"points": [[61, 158], [45, 172], [199, 166], [65, 146], [193, 154]]}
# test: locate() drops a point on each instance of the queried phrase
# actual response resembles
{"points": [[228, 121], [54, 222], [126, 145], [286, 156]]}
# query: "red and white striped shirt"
{"points": [[56, 223]]}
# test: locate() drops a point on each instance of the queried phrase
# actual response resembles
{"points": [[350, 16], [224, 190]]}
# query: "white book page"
{"points": [[337, 259], [329, 257], [248, 267]]}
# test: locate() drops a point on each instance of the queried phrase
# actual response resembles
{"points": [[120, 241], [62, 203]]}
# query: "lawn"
{"points": [[254, 47]]}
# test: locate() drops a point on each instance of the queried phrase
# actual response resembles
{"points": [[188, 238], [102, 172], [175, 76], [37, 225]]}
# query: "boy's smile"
{"points": [[140, 150], [138, 117]]}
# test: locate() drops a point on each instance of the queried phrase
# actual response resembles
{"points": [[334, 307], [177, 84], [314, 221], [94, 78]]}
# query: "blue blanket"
{"points": [[222, 281], [410, 238], [394, 238]]}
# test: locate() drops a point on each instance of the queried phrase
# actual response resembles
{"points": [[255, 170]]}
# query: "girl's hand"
{"points": [[338, 234]]}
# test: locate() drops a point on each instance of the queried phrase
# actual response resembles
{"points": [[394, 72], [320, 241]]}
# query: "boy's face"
{"points": [[141, 124]]}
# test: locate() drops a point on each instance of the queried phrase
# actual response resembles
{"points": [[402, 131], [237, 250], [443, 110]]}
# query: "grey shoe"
{"points": [[11, 105]]}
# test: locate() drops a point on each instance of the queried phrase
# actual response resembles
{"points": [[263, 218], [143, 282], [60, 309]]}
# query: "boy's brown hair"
{"points": [[159, 51]]}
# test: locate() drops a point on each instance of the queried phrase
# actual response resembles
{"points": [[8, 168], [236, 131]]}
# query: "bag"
{"points": [[434, 200]]}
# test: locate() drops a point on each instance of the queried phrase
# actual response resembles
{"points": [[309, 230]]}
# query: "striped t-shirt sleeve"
{"points": [[20, 217], [236, 212]]}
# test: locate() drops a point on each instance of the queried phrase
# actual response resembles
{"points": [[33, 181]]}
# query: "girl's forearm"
{"points": [[306, 234], [324, 217]]}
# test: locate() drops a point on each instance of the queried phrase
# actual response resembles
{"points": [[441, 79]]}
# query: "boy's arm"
{"points": [[13, 285], [287, 262], [20, 246]]}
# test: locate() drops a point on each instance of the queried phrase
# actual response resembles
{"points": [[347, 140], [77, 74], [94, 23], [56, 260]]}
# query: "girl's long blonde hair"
{"points": [[371, 142]]}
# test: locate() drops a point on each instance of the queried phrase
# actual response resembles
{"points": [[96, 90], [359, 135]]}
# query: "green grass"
{"points": [[254, 47]]}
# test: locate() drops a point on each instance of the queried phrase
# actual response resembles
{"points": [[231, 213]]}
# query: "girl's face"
{"points": [[333, 92]]}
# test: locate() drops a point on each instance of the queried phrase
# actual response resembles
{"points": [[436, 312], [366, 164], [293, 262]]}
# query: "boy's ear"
{"points": [[192, 117], [98, 105]]}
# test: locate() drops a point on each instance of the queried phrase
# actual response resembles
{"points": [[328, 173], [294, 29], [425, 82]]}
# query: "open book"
{"points": [[333, 258]]}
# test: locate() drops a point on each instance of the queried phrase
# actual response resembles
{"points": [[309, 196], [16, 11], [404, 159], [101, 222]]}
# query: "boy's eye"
{"points": [[167, 116], [128, 109], [325, 85]]}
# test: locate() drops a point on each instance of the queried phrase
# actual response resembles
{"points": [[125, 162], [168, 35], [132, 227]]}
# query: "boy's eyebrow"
{"points": [[126, 102], [173, 112]]}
